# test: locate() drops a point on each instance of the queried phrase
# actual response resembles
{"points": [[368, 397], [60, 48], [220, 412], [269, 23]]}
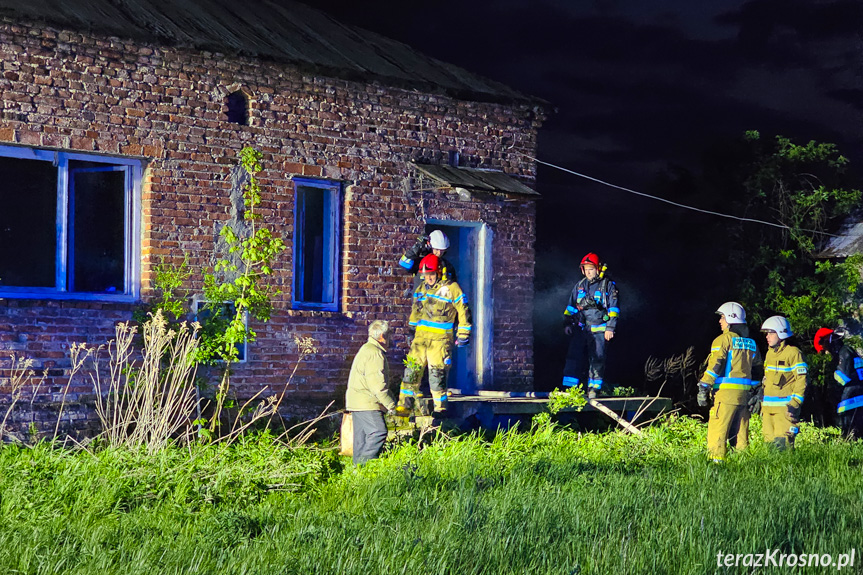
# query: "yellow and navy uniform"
{"points": [[439, 312], [784, 386], [593, 309], [729, 371], [410, 262]]}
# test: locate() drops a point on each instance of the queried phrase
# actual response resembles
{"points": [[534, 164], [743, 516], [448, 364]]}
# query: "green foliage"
{"points": [[572, 397], [550, 501], [801, 187], [623, 391], [241, 285], [414, 367]]}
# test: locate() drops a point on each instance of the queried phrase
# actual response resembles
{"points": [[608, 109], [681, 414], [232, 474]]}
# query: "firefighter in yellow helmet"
{"points": [[784, 384], [733, 355], [439, 314]]}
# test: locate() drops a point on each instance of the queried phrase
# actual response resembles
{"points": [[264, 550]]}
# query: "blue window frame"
{"points": [[317, 229], [69, 225]]}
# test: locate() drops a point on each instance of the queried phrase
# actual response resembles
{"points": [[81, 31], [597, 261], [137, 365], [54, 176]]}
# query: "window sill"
{"points": [[61, 296]]}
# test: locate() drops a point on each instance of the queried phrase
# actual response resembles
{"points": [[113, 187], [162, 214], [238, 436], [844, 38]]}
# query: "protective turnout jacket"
{"points": [[410, 262], [784, 376], [849, 374], [594, 304], [729, 367], [436, 309]]}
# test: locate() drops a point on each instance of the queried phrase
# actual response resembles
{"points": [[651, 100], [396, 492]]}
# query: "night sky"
{"points": [[642, 91]]}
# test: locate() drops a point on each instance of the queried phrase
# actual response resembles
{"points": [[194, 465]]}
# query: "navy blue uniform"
{"points": [[592, 310], [849, 374]]}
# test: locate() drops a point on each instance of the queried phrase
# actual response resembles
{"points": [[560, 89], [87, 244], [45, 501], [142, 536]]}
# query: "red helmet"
{"points": [[590, 259], [430, 263], [822, 338]]}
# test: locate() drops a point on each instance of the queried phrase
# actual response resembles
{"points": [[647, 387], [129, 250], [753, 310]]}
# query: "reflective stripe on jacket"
{"points": [[729, 367], [784, 376], [437, 308], [593, 303]]}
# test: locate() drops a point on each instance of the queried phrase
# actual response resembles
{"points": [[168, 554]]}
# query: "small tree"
{"points": [[801, 187]]}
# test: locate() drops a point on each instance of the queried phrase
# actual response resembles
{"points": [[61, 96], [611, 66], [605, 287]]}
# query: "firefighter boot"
{"points": [[441, 399], [409, 397]]}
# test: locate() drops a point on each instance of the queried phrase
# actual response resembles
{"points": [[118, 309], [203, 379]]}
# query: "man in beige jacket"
{"points": [[367, 394]]}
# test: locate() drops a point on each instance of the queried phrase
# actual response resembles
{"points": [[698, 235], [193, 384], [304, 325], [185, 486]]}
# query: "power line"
{"points": [[679, 205]]}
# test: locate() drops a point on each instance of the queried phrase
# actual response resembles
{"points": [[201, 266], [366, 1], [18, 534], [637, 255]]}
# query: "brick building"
{"points": [[120, 130]]}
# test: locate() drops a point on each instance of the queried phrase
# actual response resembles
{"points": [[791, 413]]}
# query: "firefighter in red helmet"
{"points": [[849, 375], [590, 319], [441, 316]]}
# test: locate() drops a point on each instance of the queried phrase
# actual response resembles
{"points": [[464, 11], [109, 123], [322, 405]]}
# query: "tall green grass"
{"points": [[547, 501]]}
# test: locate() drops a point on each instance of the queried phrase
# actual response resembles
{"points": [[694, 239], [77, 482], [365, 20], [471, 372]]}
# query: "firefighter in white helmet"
{"points": [[733, 355], [784, 384], [435, 243]]}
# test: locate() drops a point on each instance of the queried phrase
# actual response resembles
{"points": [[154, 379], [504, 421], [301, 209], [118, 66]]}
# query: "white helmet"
{"points": [[778, 324], [438, 240], [733, 312]]}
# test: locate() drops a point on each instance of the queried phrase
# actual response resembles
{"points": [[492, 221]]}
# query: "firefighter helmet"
{"points": [[822, 339], [590, 259], [778, 324], [438, 240], [733, 312], [430, 263]]}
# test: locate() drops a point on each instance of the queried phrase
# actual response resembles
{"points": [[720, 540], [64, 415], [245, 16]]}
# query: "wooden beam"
{"points": [[622, 422]]}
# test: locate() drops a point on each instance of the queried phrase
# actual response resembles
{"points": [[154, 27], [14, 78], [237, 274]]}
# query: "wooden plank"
{"points": [[622, 422]]}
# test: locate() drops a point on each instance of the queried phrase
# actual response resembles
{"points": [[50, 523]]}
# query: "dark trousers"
{"points": [[370, 432], [586, 355], [851, 421]]}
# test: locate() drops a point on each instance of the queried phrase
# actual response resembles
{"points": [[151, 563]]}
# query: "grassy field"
{"points": [[548, 501]]}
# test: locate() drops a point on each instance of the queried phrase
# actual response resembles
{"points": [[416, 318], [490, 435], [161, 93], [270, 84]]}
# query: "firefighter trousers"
{"points": [[776, 426], [586, 355], [728, 425], [436, 354], [851, 417]]}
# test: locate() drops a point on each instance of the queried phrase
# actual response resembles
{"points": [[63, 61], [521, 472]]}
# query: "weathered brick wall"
{"points": [[97, 94]]}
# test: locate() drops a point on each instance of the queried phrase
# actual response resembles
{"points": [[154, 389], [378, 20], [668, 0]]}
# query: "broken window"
{"points": [[238, 107], [65, 224], [316, 244]]}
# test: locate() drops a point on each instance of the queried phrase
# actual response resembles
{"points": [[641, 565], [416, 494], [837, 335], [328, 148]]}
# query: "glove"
{"points": [[755, 400], [462, 340], [703, 394], [421, 243], [794, 414]]}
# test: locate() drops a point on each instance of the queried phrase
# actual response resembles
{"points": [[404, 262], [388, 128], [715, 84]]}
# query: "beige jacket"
{"points": [[368, 380]]}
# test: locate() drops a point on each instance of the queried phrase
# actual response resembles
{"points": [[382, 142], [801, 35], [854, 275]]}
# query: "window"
{"points": [[238, 107], [316, 244], [67, 225]]}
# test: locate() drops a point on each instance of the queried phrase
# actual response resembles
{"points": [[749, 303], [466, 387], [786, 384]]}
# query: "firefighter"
{"points": [[435, 243], [438, 304], [590, 319], [784, 384], [848, 374], [733, 354]]}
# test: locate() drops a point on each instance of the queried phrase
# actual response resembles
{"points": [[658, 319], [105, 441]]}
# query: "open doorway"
{"points": [[470, 255]]}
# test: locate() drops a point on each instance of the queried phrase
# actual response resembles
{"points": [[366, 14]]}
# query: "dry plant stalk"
{"points": [[20, 373], [149, 399]]}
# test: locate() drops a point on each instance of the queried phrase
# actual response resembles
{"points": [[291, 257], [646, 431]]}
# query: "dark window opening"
{"points": [[316, 246], [66, 224], [238, 108], [28, 223], [97, 244]]}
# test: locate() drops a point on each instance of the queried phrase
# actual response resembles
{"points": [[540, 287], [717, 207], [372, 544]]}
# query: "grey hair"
{"points": [[378, 328]]}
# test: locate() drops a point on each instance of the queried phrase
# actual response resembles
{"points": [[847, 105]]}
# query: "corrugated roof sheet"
{"points": [[848, 242], [475, 180], [281, 30]]}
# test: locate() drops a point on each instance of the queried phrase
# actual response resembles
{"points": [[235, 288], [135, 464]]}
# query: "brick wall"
{"points": [[90, 93]]}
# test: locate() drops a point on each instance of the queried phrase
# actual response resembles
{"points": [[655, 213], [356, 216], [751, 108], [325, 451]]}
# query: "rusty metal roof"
{"points": [[475, 179], [282, 30]]}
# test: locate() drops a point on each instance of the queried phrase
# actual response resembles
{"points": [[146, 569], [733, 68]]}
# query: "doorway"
{"points": [[470, 254]]}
